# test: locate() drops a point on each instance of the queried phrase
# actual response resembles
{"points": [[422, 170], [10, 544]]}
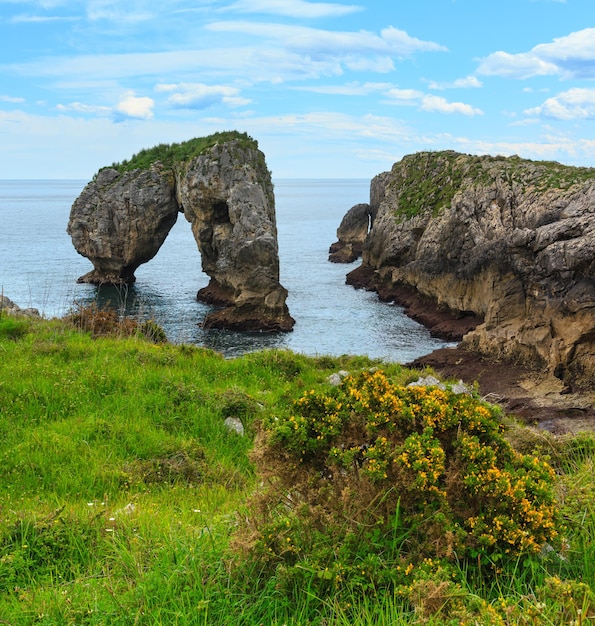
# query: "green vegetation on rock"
{"points": [[427, 182], [125, 499], [171, 154]]}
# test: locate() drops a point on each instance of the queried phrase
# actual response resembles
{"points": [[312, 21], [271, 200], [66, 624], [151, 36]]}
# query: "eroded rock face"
{"points": [[506, 241], [351, 234], [227, 195], [120, 221]]}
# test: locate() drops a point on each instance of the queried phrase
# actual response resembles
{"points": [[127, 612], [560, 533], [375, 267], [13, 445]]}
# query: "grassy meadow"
{"points": [[125, 499]]}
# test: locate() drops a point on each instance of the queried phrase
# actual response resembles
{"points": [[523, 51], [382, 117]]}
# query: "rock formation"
{"points": [[8, 306], [222, 185], [227, 195], [504, 244], [120, 221], [351, 235]]}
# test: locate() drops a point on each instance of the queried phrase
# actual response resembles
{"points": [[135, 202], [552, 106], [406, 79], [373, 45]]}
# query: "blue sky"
{"points": [[329, 89]]}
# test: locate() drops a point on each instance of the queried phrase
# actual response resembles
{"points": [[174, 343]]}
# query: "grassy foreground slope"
{"points": [[121, 488]]}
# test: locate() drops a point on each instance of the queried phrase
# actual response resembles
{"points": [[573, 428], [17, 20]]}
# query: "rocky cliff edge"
{"points": [[505, 246]]}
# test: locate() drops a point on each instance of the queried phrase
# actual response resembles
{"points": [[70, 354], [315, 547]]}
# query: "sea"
{"points": [[39, 268]]}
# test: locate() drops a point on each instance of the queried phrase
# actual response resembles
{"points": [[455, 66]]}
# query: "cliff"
{"points": [[505, 246], [222, 185]]}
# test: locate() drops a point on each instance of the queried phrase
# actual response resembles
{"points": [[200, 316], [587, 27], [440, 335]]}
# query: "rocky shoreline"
{"points": [[505, 245], [440, 321], [525, 393], [529, 394], [498, 254]]}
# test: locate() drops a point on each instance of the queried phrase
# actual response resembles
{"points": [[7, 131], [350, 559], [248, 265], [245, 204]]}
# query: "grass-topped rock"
{"points": [[500, 240], [223, 186], [173, 154], [428, 181]]}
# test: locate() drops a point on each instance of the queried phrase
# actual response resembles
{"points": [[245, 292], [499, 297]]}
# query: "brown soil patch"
{"points": [[532, 396]]}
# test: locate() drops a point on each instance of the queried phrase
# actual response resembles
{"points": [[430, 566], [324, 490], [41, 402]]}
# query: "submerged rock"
{"points": [[222, 185], [506, 242]]}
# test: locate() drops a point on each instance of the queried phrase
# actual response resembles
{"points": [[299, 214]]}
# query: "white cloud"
{"points": [[200, 96], [525, 122], [574, 104], [333, 124], [78, 107], [349, 89], [326, 144], [12, 99], [40, 19], [572, 56], [563, 149], [391, 41], [403, 96], [118, 11], [378, 65], [437, 104], [524, 65], [251, 63], [294, 8], [396, 96], [131, 106], [289, 53], [460, 83]]}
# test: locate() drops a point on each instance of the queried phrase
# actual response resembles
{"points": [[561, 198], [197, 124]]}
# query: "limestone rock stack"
{"points": [[506, 240], [222, 185]]}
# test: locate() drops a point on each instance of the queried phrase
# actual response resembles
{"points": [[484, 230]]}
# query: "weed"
{"points": [[171, 154], [12, 328], [105, 321], [427, 182]]}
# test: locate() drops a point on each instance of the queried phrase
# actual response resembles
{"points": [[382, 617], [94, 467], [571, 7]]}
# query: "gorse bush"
{"points": [[374, 483]]}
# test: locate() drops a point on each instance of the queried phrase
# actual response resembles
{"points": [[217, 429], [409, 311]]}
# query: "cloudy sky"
{"points": [[329, 89]]}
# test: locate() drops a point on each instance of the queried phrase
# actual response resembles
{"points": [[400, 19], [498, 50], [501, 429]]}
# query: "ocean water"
{"points": [[39, 267]]}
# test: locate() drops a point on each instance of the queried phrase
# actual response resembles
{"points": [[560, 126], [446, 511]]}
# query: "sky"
{"points": [[328, 89]]}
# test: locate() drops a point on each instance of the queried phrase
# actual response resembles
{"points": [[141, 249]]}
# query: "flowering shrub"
{"points": [[374, 477]]}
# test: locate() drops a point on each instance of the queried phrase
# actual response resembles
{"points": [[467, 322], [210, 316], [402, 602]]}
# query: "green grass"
{"points": [[121, 490], [427, 182], [171, 154]]}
